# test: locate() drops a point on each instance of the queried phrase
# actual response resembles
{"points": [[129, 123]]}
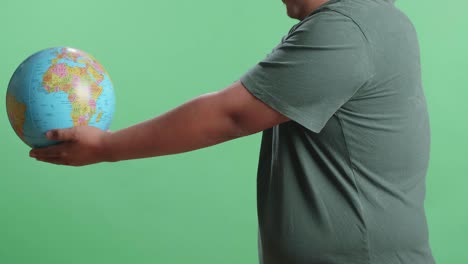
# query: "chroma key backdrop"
{"points": [[197, 207]]}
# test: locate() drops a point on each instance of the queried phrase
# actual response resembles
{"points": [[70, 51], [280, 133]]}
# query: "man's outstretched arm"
{"points": [[201, 122]]}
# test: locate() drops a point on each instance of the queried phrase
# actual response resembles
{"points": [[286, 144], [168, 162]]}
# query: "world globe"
{"points": [[58, 88]]}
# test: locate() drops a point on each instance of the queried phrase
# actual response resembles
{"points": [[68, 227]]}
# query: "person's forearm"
{"points": [[196, 124]]}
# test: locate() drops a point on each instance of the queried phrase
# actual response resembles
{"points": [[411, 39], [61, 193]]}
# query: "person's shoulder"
{"points": [[332, 13], [348, 16], [355, 9], [324, 24]]}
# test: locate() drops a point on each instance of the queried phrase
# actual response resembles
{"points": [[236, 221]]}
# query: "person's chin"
{"points": [[291, 14]]}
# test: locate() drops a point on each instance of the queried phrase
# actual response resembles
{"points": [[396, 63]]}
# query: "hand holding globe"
{"points": [[81, 145]]}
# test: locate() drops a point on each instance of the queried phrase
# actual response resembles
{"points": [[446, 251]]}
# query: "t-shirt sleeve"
{"points": [[314, 71]]}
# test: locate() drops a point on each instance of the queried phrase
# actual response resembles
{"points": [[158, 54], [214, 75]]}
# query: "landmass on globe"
{"points": [[16, 113], [80, 83]]}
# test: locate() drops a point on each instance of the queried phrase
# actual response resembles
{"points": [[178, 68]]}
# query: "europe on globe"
{"points": [[58, 88]]}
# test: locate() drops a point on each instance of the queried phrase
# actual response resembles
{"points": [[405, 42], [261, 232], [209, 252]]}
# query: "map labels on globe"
{"points": [[58, 88]]}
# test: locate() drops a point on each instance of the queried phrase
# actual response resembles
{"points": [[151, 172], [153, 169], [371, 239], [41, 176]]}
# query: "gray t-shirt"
{"points": [[343, 182]]}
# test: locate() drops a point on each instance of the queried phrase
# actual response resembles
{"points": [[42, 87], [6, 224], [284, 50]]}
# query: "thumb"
{"points": [[66, 134]]}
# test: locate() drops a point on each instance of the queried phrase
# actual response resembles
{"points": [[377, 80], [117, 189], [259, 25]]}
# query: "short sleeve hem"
{"points": [[280, 106]]}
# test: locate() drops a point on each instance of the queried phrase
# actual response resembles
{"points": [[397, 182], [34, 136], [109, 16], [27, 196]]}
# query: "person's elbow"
{"points": [[246, 114]]}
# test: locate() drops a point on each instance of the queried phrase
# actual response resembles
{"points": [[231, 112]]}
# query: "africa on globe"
{"points": [[58, 88]]}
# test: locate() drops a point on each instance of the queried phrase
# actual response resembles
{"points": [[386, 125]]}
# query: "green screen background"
{"points": [[197, 207]]}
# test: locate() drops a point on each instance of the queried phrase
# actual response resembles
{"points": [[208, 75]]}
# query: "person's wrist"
{"points": [[107, 151]]}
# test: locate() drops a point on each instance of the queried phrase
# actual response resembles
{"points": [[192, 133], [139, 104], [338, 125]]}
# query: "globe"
{"points": [[58, 88]]}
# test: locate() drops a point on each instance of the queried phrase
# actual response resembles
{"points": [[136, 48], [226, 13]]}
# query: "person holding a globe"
{"points": [[345, 146]]}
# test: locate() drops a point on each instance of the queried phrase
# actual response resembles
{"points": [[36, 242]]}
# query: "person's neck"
{"points": [[311, 6]]}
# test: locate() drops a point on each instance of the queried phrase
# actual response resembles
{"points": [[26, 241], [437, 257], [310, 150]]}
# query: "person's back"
{"points": [[344, 182], [388, 135]]}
